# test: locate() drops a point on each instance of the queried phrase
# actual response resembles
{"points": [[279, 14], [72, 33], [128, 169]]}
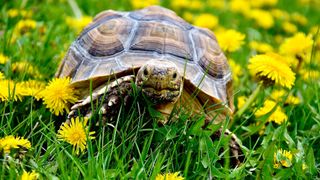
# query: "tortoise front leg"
{"points": [[106, 98]]}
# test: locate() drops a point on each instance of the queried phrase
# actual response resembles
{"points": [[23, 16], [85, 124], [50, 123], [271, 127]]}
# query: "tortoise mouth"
{"points": [[164, 95]]}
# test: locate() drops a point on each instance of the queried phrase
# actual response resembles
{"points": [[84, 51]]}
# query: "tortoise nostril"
{"points": [[145, 72], [174, 76]]}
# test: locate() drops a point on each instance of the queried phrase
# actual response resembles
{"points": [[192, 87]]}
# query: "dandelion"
{"points": [[261, 47], [277, 116], [241, 101], [278, 95], [26, 13], [217, 4], [33, 88], [78, 23], [230, 40], [169, 176], [304, 167], [271, 71], [299, 18], [1, 75], [75, 133], [262, 18], [58, 94], [309, 74], [139, 4], [188, 16], [302, 46], [12, 13], [236, 70], [206, 20], [24, 26], [29, 175], [10, 142], [26, 67], [262, 3], [195, 4], [240, 6], [289, 27], [10, 90], [3, 59], [283, 158], [180, 4], [280, 14]]}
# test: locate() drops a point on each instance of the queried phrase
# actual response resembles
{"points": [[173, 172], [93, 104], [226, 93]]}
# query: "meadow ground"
{"points": [[273, 48]]}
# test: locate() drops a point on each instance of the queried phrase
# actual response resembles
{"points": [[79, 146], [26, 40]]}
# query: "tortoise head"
{"points": [[160, 81]]}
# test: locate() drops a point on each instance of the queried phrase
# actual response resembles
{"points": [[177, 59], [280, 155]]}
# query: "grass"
{"points": [[134, 146]]}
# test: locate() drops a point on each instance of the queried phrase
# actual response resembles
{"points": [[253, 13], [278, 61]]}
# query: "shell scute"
{"points": [[158, 13], [162, 38], [69, 64], [108, 38], [210, 56]]}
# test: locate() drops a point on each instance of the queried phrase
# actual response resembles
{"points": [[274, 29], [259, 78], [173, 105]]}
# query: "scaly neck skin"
{"points": [[165, 110]]}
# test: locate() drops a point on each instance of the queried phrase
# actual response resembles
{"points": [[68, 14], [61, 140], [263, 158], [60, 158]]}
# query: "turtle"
{"points": [[173, 63]]}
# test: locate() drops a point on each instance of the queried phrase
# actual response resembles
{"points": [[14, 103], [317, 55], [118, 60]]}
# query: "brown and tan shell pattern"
{"points": [[118, 43]]}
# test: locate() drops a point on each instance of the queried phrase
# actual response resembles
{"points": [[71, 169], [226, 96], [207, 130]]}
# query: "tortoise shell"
{"points": [[118, 43]]}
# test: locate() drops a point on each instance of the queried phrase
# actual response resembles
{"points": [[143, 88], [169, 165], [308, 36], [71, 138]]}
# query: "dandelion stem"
{"points": [[250, 100]]}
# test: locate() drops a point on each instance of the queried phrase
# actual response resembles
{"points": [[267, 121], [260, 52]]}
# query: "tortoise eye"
{"points": [[174, 76], [145, 72]]}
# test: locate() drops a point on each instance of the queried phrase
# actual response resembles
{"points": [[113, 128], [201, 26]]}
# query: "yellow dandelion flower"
{"points": [[262, 3], [284, 59], [283, 157], [240, 6], [1, 75], [139, 4], [58, 94], [206, 20], [10, 90], [180, 4], [3, 59], [276, 165], [217, 4], [169, 176], [271, 71], [262, 130], [241, 101], [280, 14], [29, 175], [299, 18], [195, 4], [78, 23], [261, 47], [278, 95], [309, 74], [26, 67], [304, 167], [262, 18], [33, 88], [302, 45], [188, 16], [26, 13], [289, 27], [236, 70], [26, 25], [230, 40], [10, 142], [278, 116], [75, 133], [12, 13]]}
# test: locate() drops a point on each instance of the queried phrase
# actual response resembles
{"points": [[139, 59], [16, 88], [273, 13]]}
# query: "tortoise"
{"points": [[173, 62]]}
